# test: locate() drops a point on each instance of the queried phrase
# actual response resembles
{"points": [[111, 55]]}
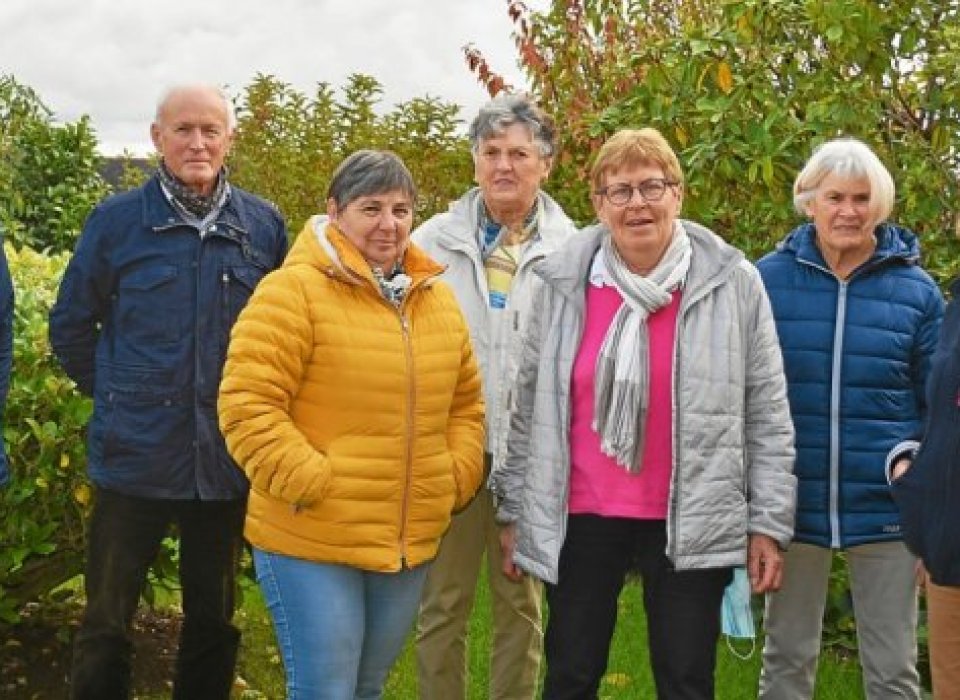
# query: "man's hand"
{"points": [[900, 468], [508, 540], [764, 564]]}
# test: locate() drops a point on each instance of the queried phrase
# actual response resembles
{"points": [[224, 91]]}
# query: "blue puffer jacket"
{"points": [[929, 493], [856, 355], [141, 323], [6, 351]]}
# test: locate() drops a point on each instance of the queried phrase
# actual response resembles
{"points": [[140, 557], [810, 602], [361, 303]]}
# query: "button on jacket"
{"points": [[141, 323]]}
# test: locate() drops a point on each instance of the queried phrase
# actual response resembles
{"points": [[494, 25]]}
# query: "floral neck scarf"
{"points": [[393, 287], [197, 205]]}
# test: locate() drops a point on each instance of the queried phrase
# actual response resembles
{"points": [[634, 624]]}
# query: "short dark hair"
{"points": [[368, 172]]}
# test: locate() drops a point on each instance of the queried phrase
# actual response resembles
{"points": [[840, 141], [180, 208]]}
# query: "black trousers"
{"points": [[682, 608], [124, 537]]}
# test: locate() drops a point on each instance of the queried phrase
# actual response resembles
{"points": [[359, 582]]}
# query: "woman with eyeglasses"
{"points": [[651, 432]]}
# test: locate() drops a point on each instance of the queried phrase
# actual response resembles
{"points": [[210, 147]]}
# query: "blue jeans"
{"points": [[339, 628]]}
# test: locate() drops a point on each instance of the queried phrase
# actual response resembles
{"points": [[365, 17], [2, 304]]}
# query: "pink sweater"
{"points": [[598, 485]]}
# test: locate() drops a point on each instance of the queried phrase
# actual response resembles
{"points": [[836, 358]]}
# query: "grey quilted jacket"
{"points": [[733, 438]]}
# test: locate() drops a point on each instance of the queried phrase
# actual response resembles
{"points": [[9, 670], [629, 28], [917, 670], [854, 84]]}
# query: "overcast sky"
{"points": [[110, 59]]}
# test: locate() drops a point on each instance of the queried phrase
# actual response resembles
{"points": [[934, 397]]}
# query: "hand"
{"points": [[921, 574], [900, 468], [764, 564], [508, 541]]}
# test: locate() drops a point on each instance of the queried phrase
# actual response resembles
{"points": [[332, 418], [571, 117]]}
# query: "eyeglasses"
{"points": [[651, 190]]}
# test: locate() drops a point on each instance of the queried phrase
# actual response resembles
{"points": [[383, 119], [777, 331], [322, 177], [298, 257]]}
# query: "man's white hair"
{"points": [[216, 89]]}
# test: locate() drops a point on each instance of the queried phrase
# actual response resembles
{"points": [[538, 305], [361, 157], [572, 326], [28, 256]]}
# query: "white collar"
{"points": [[599, 275]]}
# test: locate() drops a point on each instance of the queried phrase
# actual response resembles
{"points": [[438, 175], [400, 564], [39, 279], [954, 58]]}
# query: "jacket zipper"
{"points": [[833, 494], [835, 362], [411, 406], [411, 403], [225, 278], [689, 297]]}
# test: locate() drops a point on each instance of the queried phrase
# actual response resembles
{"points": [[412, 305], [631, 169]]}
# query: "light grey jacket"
{"points": [[732, 434], [453, 239]]}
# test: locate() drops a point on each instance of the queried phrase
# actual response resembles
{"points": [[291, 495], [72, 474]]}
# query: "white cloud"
{"points": [[111, 58]]}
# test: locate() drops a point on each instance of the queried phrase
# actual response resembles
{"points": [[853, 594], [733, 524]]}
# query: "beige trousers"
{"points": [[445, 610], [943, 620]]}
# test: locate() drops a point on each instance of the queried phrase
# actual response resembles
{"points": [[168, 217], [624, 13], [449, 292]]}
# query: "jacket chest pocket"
{"points": [[152, 304], [237, 283]]}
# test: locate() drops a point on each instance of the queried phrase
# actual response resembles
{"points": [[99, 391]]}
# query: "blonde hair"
{"points": [[630, 147]]}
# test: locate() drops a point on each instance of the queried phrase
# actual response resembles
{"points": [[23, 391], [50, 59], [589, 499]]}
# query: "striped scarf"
{"points": [[621, 379]]}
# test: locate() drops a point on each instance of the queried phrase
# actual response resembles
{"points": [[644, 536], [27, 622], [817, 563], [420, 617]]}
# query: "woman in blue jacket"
{"points": [[858, 321], [929, 499]]}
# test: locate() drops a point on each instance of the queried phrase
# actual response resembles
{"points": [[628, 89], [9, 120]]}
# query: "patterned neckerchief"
{"points": [[197, 205], [395, 286], [494, 232]]}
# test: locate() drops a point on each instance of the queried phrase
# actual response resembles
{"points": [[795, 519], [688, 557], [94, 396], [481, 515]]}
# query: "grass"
{"points": [[628, 675]]}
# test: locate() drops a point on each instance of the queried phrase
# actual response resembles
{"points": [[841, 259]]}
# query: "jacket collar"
{"points": [[894, 243], [160, 215], [321, 245], [551, 229], [712, 261]]}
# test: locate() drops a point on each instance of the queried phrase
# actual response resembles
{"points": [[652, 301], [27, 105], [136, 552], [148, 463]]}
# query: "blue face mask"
{"points": [[736, 615]]}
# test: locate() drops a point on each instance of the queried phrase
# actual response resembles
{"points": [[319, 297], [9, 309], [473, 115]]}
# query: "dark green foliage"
{"points": [[42, 509], [745, 90], [289, 143], [48, 171]]}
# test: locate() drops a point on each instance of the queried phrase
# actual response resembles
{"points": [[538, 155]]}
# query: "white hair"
{"points": [[847, 158], [172, 90]]}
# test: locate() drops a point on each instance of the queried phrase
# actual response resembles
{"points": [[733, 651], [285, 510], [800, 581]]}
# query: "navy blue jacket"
{"points": [[141, 323], [929, 493], [856, 355], [6, 352]]}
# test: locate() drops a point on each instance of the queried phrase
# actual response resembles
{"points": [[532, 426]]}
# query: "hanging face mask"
{"points": [[736, 614]]}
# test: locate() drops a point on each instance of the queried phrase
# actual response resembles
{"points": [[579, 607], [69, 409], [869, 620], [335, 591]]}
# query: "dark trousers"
{"points": [[124, 537], [682, 608]]}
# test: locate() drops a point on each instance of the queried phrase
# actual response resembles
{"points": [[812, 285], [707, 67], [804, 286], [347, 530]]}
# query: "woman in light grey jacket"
{"points": [[651, 432]]}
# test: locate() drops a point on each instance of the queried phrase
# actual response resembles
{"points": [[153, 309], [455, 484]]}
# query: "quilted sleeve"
{"points": [[269, 348]]}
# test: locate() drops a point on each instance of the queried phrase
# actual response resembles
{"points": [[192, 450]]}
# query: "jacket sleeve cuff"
{"points": [[503, 513], [906, 448]]}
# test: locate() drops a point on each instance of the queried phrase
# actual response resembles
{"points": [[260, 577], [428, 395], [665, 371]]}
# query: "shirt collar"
{"points": [[599, 275]]}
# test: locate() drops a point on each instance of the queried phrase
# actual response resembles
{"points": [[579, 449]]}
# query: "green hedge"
{"points": [[42, 508]]}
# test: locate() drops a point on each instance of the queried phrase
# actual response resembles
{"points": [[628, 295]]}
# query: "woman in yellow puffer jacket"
{"points": [[351, 398]]}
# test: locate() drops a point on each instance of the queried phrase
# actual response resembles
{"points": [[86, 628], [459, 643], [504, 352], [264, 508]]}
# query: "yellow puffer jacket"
{"points": [[360, 427]]}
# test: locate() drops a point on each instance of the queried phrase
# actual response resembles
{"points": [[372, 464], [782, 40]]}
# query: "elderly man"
{"points": [[489, 241], [141, 324]]}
